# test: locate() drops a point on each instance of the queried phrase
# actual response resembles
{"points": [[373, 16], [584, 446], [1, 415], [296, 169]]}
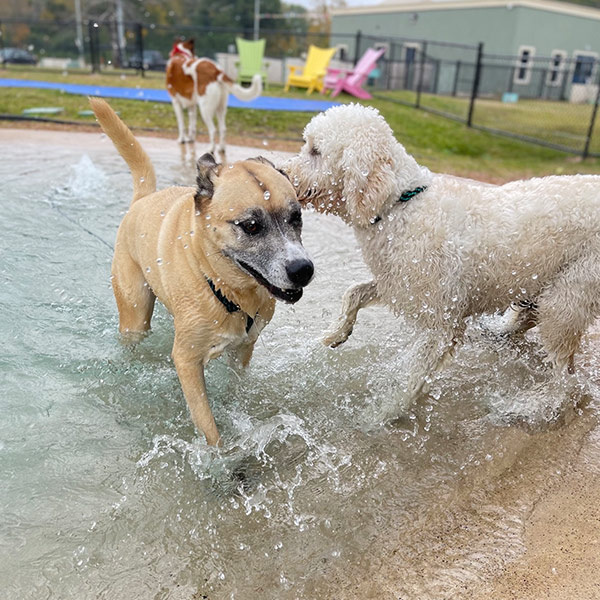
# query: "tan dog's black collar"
{"points": [[230, 306]]}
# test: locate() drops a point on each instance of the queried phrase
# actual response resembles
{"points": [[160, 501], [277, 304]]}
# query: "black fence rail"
{"points": [[551, 101]]}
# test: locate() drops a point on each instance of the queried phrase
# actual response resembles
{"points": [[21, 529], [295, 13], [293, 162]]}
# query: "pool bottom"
{"points": [[109, 493]]}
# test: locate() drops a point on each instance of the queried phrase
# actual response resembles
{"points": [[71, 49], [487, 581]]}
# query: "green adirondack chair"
{"points": [[251, 55]]}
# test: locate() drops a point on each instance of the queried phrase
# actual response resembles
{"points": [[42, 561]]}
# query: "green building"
{"points": [[535, 48]]}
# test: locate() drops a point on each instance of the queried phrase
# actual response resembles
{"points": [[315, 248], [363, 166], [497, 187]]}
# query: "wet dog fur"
{"points": [[239, 230], [457, 248]]}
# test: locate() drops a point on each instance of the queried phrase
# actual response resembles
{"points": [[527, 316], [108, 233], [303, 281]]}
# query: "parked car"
{"points": [[153, 61], [16, 56]]}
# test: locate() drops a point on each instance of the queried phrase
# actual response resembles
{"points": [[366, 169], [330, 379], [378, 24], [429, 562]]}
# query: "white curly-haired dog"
{"points": [[442, 248]]}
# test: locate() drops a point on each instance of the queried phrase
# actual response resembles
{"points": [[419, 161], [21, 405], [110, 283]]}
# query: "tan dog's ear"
{"points": [[266, 161], [366, 187], [207, 171]]}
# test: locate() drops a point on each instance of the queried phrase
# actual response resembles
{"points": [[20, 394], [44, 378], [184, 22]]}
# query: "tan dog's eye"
{"points": [[251, 227], [295, 219]]}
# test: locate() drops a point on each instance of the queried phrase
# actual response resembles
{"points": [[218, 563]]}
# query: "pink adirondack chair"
{"points": [[343, 80]]}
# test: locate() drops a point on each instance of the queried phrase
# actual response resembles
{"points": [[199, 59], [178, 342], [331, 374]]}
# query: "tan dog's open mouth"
{"points": [[291, 296]]}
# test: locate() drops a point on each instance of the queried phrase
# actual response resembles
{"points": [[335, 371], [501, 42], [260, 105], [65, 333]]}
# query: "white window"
{"points": [[556, 69], [342, 51], [585, 66], [410, 52], [524, 65]]}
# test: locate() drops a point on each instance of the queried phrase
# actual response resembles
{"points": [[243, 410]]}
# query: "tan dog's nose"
{"points": [[300, 271]]}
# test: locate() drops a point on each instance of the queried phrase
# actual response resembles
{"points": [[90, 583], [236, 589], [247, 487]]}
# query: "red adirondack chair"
{"points": [[351, 81]]}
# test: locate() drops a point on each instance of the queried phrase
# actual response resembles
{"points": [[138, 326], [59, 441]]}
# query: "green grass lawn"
{"points": [[560, 123], [437, 142]]}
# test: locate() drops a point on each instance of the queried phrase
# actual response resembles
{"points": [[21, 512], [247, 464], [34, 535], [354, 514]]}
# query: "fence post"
{"points": [[389, 66], [357, 46], [139, 42], [544, 77], [475, 88], [94, 46], [590, 133], [436, 79], [421, 69], [456, 76], [1, 36]]}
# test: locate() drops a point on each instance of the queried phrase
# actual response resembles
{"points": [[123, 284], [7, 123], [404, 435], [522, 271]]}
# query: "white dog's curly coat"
{"points": [[457, 247]]}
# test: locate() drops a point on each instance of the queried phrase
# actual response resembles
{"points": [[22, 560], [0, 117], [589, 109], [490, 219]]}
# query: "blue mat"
{"points": [[102, 91]]}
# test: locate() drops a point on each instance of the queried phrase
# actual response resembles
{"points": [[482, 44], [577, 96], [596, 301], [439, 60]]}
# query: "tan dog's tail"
{"points": [[142, 171]]}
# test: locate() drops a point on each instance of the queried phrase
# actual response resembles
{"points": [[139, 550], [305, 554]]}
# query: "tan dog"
{"points": [[216, 256], [197, 81]]}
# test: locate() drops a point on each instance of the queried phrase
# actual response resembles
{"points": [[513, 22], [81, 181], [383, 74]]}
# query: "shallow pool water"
{"points": [[329, 484]]}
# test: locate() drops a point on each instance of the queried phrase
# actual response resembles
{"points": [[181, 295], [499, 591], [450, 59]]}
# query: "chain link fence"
{"points": [[551, 101]]}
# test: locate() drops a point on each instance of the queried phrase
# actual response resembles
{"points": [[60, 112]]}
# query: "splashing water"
{"points": [[330, 483]]}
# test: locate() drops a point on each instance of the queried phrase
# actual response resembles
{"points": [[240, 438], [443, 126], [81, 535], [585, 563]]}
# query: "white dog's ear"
{"points": [[367, 184], [207, 171]]}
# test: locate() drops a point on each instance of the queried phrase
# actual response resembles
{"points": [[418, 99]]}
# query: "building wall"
{"points": [[502, 29], [493, 25]]}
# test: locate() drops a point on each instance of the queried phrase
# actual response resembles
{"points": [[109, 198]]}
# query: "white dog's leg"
{"points": [[355, 298], [221, 112], [180, 124], [192, 110], [567, 307], [210, 126], [208, 104], [431, 356], [520, 317]]}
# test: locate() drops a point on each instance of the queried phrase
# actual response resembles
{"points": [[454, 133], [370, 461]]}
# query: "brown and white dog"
{"points": [[217, 256], [197, 81]]}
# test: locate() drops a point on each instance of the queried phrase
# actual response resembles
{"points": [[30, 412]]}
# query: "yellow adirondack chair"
{"points": [[313, 71]]}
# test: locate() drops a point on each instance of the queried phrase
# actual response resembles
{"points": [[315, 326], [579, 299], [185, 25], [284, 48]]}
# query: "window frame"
{"points": [[528, 66], [558, 69]]}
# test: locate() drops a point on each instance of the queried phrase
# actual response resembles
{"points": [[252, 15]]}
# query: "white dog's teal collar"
{"points": [[404, 197]]}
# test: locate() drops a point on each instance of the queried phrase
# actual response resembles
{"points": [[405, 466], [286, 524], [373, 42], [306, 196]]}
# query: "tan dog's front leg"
{"points": [[191, 376], [355, 298]]}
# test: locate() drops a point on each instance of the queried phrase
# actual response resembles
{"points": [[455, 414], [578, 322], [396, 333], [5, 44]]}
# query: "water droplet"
{"points": [[534, 276], [267, 194], [159, 261]]}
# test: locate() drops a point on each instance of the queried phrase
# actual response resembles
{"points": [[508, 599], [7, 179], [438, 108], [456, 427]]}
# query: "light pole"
{"points": [[256, 18], [79, 31]]}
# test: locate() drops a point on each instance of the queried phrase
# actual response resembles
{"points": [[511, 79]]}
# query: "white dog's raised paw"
{"points": [[336, 337]]}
